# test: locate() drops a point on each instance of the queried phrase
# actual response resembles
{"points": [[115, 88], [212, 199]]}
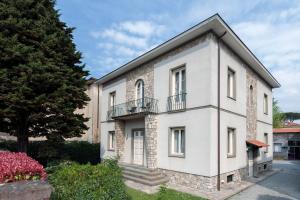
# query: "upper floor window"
{"points": [[266, 141], [265, 104], [231, 84], [139, 85], [231, 142], [112, 99], [178, 81], [177, 100], [177, 141]]}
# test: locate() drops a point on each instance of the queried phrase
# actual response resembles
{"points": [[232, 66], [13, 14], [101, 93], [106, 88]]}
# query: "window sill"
{"points": [[177, 155], [231, 156], [232, 98], [176, 111], [111, 150]]}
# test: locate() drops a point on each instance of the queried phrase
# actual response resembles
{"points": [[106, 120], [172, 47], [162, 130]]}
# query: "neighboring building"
{"points": [[163, 112], [91, 111], [286, 142]]}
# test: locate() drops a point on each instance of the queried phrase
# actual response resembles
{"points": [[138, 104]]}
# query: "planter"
{"points": [[25, 190]]}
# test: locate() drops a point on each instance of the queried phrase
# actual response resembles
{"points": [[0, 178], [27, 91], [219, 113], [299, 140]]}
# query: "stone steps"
{"points": [[143, 175]]}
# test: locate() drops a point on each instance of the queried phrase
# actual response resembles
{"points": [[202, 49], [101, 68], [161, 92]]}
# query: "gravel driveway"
{"points": [[284, 185]]}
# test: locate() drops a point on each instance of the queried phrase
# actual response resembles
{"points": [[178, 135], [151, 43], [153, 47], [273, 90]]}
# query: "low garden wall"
{"points": [[25, 190]]}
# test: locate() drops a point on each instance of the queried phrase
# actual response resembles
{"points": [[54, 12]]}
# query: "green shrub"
{"points": [[47, 151], [102, 181]]}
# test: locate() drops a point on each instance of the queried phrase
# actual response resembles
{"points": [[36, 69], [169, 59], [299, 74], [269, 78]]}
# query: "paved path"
{"points": [[284, 185]]}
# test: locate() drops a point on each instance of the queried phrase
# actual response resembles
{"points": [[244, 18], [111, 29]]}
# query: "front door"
{"points": [[250, 163], [138, 147]]}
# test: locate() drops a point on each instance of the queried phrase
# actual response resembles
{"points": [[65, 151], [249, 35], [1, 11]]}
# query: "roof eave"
{"points": [[216, 24]]}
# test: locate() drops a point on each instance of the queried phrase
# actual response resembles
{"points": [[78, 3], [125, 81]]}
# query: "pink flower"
{"points": [[19, 166]]}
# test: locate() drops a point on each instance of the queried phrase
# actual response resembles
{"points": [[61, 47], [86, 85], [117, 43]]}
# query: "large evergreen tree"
{"points": [[42, 80]]}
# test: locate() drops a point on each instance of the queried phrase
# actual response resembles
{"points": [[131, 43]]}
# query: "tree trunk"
{"points": [[22, 136], [22, 143]]}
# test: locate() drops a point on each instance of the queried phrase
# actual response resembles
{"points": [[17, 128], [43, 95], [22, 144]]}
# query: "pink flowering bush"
{"points": [[18, 166]]}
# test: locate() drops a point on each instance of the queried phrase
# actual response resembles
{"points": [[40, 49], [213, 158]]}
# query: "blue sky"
{"points": [[111, 33]]}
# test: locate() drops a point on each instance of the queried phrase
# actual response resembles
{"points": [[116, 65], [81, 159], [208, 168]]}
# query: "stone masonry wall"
{"points": [[251, 104], [151, 140], [120, 138], [202, 183]]}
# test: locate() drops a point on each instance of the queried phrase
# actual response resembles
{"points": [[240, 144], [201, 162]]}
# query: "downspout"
{"points": [[219, 113]]}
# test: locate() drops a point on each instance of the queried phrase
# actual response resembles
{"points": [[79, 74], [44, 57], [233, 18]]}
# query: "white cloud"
{"points": [[143, 28], [275, 40], [123, 38]]}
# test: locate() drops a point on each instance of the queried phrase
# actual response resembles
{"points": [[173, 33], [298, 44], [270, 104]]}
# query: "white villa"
{"points": [[194, 111]]}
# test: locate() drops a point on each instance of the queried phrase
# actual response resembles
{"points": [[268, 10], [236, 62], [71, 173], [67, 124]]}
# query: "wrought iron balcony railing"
{"points": [[177, 102], [139, 106]]}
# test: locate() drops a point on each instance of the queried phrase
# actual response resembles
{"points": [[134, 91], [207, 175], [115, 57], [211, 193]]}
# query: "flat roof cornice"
{"points": [[214, 23]]}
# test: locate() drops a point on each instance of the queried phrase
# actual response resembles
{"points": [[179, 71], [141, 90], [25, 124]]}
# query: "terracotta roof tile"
{"points": [[256, 143], [286, 130]]}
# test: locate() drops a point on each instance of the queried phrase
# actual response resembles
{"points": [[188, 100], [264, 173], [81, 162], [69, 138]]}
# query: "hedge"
{"points": [[89, 182], [46, 152]]}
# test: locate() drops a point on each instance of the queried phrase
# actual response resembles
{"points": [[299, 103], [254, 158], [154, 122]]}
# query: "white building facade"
{"points": [[197, 109]]}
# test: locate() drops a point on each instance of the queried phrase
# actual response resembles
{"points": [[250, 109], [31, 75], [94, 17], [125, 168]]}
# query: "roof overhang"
{"points": [[215, 24], [286, 130], [256, 143]]}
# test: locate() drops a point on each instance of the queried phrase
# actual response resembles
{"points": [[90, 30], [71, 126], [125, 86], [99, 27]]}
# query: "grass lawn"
{"points": [[163, 194]]}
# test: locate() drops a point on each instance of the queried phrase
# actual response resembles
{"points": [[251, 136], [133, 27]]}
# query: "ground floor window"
{"points": [[111, 140], [277, 147], [231, 142], [177, 141]]}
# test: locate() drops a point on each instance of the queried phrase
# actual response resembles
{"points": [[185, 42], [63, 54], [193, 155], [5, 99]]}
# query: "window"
{"points": [[229, 178], [179, 84], [231, 84], [139, 93], [231, 142], [265, 104], [177, 142], [139, 89], [111, 140], [112, 99], [266, 141], [277, 147]]}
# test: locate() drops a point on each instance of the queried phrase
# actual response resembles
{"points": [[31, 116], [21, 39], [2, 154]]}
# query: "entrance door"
{"points": [[250, 163], [138, 147]]}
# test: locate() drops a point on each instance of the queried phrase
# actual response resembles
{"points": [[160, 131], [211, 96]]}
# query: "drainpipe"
{"points": [[219, 100]]}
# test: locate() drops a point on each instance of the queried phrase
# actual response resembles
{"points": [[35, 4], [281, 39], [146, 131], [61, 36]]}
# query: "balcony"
{"points": [[177, 102], [133, 109]]}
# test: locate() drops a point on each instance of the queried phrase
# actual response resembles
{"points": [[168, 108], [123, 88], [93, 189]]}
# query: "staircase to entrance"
{"points": [[143, 175]]}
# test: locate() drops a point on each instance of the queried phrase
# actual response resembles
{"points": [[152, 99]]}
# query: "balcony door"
{"points": [[139, 93], [138, 147], [179, 84]]}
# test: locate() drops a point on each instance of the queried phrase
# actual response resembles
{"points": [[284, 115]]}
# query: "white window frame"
{"points": [[265, 104], [266, 138], [112, 99], [275, 145], [139, 89], [180, 131], [231, 142], [111, 140], [231, 83], [181, 89]]}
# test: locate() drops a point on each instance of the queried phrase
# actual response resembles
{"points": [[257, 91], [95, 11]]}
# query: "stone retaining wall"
{"points": [[25, 190], [203, 183]]}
